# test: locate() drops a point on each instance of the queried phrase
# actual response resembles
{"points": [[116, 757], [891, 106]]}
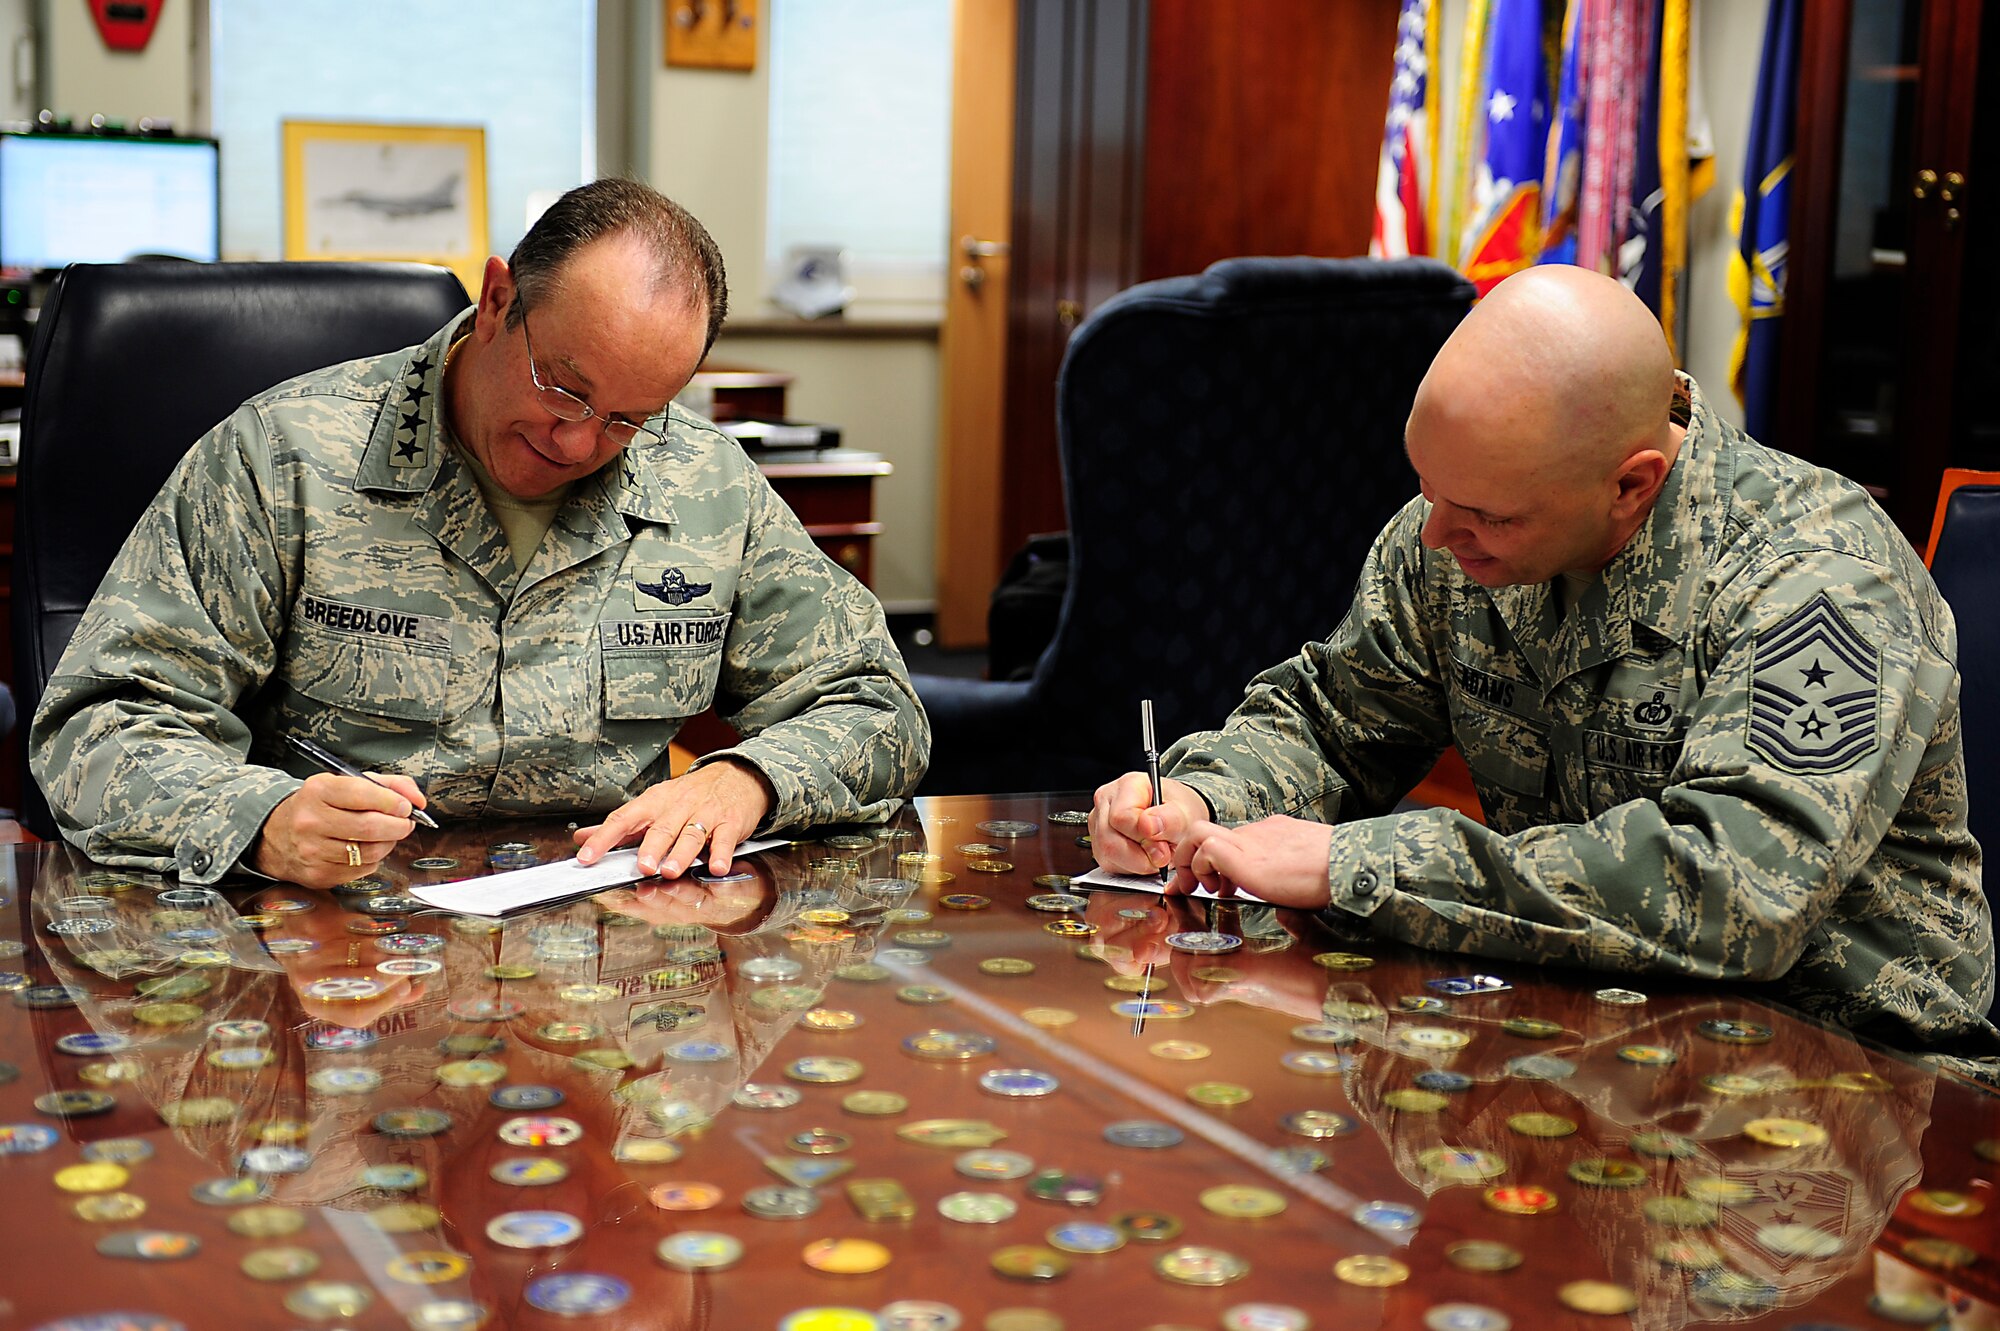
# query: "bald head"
{"points": [[1562, 364], [1542, 433]]}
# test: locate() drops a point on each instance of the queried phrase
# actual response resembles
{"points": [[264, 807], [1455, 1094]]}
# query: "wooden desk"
{"points": [[833, 492], [649, 1011]]}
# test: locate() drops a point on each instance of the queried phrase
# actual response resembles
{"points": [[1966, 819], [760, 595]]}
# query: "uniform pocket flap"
{"points": [[661, 667]]}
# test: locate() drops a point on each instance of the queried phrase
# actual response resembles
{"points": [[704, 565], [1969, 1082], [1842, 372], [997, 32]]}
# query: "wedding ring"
{"points": [[699, 827], [353, 856]]}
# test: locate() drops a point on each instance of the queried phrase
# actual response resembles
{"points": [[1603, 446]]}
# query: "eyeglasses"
{"points": [[567, 406]]}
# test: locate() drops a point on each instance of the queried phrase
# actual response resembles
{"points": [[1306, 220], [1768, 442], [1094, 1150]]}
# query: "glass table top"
{"points": [[911, 1077]]}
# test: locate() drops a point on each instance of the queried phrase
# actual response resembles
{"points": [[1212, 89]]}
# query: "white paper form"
{"points": [[1132, 882], [499, 893]]}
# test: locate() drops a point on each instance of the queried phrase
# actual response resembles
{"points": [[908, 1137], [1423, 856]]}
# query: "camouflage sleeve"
{"points": [[1776, 805], [814, 683], [1345, 728], [136, 742]]}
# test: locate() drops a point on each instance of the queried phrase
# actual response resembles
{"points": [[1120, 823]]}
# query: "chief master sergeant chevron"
{"points": [[498, 568], [1708, 694]]}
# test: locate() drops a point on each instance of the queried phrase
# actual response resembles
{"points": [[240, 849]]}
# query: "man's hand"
{"points": [[718, 805], [1129, 834], [1282, 860], [335, 829]]}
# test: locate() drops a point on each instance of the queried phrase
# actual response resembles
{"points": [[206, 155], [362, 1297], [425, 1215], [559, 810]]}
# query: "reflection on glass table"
{"points": [[907, 1077]]}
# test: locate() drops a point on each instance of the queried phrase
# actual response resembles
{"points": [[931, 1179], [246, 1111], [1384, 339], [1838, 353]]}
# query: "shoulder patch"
{"points": [[1814, 692]]}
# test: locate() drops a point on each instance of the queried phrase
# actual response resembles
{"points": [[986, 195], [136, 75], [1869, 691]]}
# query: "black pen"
{"points": [[334, 763], [1152, 763]]}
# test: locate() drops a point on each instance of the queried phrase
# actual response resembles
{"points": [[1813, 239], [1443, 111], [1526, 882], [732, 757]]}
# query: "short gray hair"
{"points": [[687, 255]]}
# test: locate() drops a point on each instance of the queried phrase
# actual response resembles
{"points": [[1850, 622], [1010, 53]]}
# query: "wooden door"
{"points": [[974, 348], [1876, 318]]}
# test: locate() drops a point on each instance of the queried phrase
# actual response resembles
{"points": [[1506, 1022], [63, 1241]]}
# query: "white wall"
{"points": [[86, 78], [700, 136]]}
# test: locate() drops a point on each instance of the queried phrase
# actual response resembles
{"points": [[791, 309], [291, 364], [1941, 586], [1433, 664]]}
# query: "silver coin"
{"points": [[1143, 1134], [990, 1164], [759, 1095], [918, 1315], [1009, 827], [1204, 942], [778, 1202], [1057, 902], [770, 968], [1018, 1083]]}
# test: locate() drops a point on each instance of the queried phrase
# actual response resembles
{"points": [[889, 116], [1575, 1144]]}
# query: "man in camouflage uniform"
{"points": [[1708, 694], [446, 566]]}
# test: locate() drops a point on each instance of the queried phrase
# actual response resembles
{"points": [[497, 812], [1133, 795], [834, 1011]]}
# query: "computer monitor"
{"points": [[101, 198]]}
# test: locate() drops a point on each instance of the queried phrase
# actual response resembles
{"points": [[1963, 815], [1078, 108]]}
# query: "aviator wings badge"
{"points": [[673, 587]]}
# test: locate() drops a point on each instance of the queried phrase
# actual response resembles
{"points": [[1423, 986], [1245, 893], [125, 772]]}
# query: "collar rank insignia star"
{"points": [[673, 587], [1813, 692]]}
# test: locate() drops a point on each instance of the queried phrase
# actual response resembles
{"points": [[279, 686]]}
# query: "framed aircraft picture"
{"points": [[374, 191]]}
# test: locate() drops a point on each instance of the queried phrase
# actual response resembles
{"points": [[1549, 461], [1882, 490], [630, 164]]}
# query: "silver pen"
{"points": [[333, 762], [1152, 763]]}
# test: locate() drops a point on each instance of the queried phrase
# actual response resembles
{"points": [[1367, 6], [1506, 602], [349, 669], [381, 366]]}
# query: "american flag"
{"points": [[1402, 179]]}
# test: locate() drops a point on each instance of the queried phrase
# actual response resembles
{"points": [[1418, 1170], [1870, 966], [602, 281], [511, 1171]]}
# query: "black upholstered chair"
{"points": [[130, 364], [1965, 564], [1231, 444]]}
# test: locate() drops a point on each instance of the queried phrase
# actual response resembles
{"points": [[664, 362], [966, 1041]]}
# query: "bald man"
{"points": [[1708, 694]]}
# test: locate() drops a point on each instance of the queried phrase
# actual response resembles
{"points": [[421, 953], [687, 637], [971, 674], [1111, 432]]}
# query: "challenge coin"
{"points": [[1542, 1125], [1241, 1202], [780, 1202], [1018, 1083], [1465, 1317], [1785, 1132], [1600, 1298], [1179, 1051], [1664, 1145], [1204, 942], [699, 1250], [845, 1257], [1532, 1028], [1218, 1094], [1048, 1018], [1027, 1261], [1598, 1172], [1148, 1226], [1621, 997], [1482, 1255], [684, 1196], [578, 1294], [874, 1104], [977, 1208], [1195, 1264], [110, 1207], [1143, 1134], [1370, 1271], [534, 1229], [1006, 966], [279, 1264], [990, 1164], [1735, 1032], [328, 1300], [1520, 1199], [1085, 1237], [529, 1171]]}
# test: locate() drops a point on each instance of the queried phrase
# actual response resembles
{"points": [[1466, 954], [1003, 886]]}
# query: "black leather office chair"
{"points": [[1231, 445], [1965, 564], [130, 364]]}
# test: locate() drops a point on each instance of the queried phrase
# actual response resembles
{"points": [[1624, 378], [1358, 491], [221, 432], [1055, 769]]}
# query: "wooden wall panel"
{"points": [[1263, 126], [1079, 132]]}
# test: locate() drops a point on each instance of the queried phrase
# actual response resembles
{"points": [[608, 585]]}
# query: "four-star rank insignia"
{"points": [[1814, 687], [673, 587]]}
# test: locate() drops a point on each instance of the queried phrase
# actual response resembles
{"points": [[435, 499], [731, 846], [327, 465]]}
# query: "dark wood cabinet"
{"points": [[1894, 285]]}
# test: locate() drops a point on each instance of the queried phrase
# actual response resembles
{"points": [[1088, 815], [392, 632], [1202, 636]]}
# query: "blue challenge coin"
{"points": [[1391, 1217], [1439, 1079], [534, 1229], [1087, 1237], [578, 1295], [698, 1051], [118, 1321], [89, 1043], [26, 1138], [526, 1098]]}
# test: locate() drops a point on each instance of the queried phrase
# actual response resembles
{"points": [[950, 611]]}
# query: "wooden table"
{"points": [[651, 1010]]}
